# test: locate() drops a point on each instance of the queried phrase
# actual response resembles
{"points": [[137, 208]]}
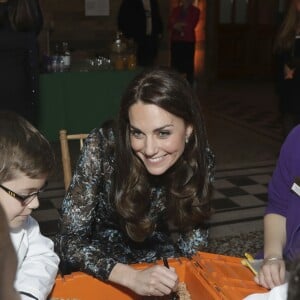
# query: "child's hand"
{"points": [[271, 274]]}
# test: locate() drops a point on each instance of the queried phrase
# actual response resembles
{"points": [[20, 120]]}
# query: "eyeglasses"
{"points": [[25, 200]]}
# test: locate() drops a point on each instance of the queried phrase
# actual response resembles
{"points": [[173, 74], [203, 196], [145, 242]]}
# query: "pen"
{"points": [[166, 264], [246, 263], [173, 295], [249, 256]]}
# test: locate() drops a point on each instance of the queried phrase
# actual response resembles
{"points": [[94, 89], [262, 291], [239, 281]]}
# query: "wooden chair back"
{"points": [[65, 152]]}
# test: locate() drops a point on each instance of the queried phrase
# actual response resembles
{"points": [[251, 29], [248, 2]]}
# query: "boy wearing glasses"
{"points": [[26, 160]]}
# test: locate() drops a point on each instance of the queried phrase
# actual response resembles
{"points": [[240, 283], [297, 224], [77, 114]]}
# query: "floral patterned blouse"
{"points": [[91, 238]]}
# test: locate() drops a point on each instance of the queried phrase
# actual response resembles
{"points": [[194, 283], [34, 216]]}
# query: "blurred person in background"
{"points": [[183, 21], [140, 20], [287, 50], [20, 23]]}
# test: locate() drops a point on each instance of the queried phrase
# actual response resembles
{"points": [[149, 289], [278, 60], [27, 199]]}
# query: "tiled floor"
{"points": [[263, 122], [251, 104], [239, 200]]}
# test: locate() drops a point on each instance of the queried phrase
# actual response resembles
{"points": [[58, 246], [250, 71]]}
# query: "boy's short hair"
{"points": [[23, 148]]}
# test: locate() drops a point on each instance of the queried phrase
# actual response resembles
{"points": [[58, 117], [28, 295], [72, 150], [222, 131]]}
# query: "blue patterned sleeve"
{"points": [[76, 245], [191, 242]]}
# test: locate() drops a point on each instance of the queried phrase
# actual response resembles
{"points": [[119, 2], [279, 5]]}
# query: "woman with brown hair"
{"points": [[287, 49], [140, 191], [20, 23]]}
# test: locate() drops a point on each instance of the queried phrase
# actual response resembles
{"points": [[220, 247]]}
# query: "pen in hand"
{"points": [[173, 295]]}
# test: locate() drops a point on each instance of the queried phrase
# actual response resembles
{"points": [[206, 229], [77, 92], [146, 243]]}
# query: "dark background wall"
{"points": [[223, 50]]}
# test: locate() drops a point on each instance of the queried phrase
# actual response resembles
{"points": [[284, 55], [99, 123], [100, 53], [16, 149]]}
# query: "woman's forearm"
{"points": [[123, 274]]}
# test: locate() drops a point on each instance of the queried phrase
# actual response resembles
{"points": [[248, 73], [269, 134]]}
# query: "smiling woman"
{"points": [[136, 182]]}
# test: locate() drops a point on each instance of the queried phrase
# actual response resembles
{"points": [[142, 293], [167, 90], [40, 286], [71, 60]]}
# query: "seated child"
{"points": [[26, 159]]}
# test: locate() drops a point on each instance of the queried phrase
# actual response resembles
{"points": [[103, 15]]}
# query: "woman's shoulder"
{"points": [[293, 138], [103, 138], [291, 146], [106, 132]]}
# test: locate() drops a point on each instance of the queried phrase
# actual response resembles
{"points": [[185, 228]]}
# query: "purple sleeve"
{"points": [[287, 168]]}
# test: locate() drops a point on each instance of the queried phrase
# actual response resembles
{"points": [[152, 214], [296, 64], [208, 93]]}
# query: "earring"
{"points": [[186, 139]]}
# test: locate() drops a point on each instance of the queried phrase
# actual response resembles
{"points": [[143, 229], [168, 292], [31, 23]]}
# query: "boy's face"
{"points": [[16, 212]]}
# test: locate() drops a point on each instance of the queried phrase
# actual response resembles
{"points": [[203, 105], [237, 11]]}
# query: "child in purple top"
{"points": [[282, 216]]}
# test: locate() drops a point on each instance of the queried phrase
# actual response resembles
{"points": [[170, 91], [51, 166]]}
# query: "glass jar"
{"points": [[118, 52]]}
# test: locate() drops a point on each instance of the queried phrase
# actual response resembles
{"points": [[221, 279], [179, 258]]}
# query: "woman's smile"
{"points": [[156, 159]]}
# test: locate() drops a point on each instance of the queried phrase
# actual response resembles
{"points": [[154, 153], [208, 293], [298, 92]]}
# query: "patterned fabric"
{"points": [[91, 238]]}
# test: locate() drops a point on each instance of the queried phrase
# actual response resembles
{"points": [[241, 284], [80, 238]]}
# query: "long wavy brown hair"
{"points": [[285, 38], [186, 183]]}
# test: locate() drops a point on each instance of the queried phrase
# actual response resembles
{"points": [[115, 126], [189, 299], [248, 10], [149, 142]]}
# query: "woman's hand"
{"points": [[154, 281], [272, 273]]}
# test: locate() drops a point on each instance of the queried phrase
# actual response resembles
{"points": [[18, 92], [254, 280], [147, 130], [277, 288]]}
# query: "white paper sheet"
{"points": [[97, 7], [277, 293]]}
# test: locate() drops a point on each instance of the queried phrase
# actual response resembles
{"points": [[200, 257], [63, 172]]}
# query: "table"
{"points": [[80, 101]]}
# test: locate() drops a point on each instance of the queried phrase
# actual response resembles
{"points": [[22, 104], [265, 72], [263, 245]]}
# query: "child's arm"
{"points": [[38, 267]]}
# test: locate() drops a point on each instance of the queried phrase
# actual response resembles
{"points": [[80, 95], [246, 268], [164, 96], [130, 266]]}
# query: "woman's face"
{"points": [[157, 137]]}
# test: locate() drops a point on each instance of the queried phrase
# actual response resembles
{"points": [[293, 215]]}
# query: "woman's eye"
{"points": [[136, 134], [164, 134]]}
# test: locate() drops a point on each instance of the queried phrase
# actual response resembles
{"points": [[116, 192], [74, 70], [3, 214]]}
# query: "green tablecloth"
{"points": [[79, 101]]}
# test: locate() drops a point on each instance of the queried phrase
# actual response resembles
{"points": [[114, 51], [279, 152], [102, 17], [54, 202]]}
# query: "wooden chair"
{"points": [[65, 152]]}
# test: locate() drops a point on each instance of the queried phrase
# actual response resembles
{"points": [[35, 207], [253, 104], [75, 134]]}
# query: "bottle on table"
{"points": [[118, 49], [66, 54], [131, 55]]}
